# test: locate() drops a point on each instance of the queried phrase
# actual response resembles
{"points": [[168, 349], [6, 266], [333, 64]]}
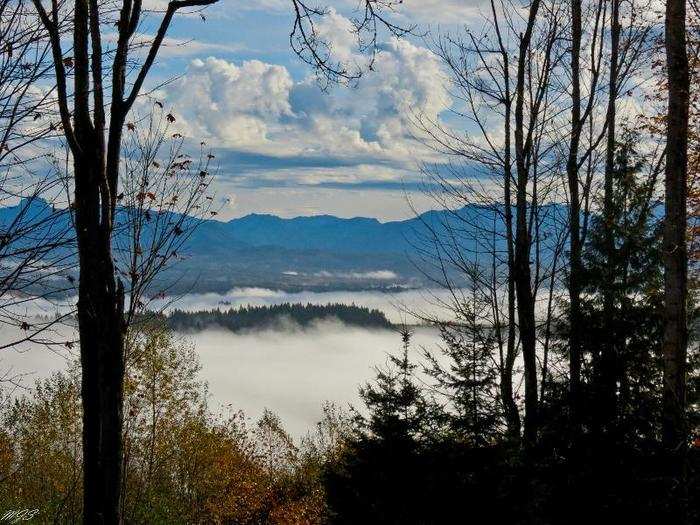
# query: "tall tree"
{"points": [[607, 363], [521, 267], [93, 123], [94, 135], [483, 78], [575, 213], [674, 239]]}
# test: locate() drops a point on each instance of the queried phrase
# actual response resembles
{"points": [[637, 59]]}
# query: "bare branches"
{"points": [[306, 41], [52, 24], [165, 195], [173, 7], [26, 107], [36, 250]]}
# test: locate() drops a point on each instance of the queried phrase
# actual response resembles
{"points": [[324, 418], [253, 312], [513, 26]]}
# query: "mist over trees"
{"points": [[276, 316], [566, 387]]}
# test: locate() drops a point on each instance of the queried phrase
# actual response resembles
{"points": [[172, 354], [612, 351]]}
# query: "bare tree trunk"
{"points": [[511, 408], [674, 242], [101, 327], [607, 374], [521, 267], [101, 319], [575, 269]]}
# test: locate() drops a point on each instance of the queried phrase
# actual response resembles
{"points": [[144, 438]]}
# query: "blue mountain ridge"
{"points": [[319, 252]]}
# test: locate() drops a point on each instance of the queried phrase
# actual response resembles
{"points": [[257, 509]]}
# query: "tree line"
{"points": [[275, 316]]}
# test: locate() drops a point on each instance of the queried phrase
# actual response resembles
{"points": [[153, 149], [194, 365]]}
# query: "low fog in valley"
{"points": [[288, 370]]}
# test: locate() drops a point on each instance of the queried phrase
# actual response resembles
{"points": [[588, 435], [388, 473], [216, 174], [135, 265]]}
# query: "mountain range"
{"points": [[319, 252]]}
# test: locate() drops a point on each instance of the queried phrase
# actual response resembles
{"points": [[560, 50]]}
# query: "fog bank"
{"points": [[398, 306], [291, 372]]}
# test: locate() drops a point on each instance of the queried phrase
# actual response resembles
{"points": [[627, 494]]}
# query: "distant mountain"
{"points": [[320, 232], [322, 252]]}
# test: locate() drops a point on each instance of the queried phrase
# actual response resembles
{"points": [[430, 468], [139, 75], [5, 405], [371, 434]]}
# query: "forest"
{"points": [[565, 387], [278, 315]]}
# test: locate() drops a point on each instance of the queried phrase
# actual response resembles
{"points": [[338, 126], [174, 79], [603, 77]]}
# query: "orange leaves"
{"points": [[182, 462], [143, 195]]}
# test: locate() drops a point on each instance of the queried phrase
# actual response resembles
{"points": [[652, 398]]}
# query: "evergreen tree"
{"points": [[375, 479], [398, 409], [466, 377], [624, 389]]}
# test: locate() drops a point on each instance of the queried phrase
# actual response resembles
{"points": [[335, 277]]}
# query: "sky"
{"points": [[282, 144]]}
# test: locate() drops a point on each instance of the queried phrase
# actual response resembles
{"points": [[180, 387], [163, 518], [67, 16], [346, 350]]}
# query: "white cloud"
{"points": [[440, 11], [231, 104], [398, 307], [405, 13], [257, 107], [289, 372], [378, 275], [312, 200], [175, 47]]}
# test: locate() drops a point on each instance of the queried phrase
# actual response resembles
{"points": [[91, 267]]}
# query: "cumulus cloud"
{"points": [[231, 104], [376, 117], [256, 107]]}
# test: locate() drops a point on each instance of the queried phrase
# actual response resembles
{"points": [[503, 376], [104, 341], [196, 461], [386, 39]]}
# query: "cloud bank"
{"points": [[272, 130], [291, 372]]}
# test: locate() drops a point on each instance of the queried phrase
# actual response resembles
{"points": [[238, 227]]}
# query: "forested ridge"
{"points": [[275, 316]]}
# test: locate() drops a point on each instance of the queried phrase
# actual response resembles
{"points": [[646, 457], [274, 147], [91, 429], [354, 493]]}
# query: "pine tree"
{"points": [[624, 389], [466, 376], [398, 410]]}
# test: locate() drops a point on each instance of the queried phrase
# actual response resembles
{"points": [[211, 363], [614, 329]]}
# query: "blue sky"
{"points": [[283, 145]]}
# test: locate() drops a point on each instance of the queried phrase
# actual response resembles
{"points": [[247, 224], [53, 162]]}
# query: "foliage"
{"points": [[182, 463], [467, 386], [637, 294]]}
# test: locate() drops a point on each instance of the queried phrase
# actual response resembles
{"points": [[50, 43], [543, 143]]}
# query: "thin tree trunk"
{"points": [[511, 408], [512, 413], [574, 221], [606, 409], [521, 266], [674, 241]]}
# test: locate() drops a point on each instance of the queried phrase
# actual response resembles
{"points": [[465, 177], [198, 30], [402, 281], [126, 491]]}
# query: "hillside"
{"points": [[276, 316]]}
